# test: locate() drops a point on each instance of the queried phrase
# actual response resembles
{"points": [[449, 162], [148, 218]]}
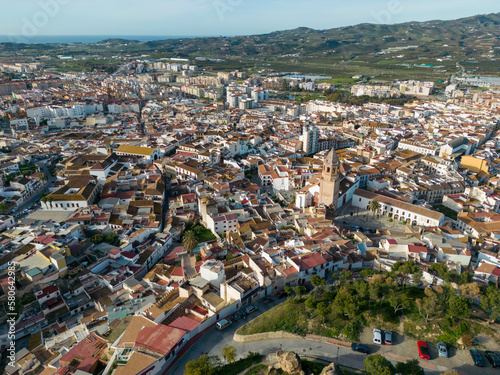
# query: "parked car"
{"points": [[493, 358], [362, 348], [238, 315], [249, 309], [442, 349], [224, 323], [377, 336], [423, 350], [267, 300], [388, 337], [477, 357]]}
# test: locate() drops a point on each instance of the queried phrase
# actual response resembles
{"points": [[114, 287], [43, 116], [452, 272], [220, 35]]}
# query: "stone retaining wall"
{"points": [[265, 336]]}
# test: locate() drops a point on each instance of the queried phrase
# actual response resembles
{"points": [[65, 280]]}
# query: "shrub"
{"points": [[391, 220]]}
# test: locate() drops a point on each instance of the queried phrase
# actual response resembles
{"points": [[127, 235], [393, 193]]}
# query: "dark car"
{"points": [[477, 357], [362, 348], [493, 357], [238, 315], [423, 350], [249, 309], [267, 300]]}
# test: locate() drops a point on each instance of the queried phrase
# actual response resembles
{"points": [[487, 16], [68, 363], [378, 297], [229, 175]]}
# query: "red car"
{"points": [[423, 350]]}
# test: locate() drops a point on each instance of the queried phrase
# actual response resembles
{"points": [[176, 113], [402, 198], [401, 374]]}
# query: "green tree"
{"points": [[3, 208], [202, 366], [398, 302], [373, 293], [346, 304], [403, 271], [288, 290], [374, 205], [311, 303], [430, 305], [361, 288], [411, 367], [47, 199], [490, 302], [229, 353], [378, 365], [345, 275], [417, 277], [189, 241], [365, 274], [459, 307], [471, 290], [317, 281], [465, 278], [323, 309], [439, 269], [97, 238], [300, 290]]}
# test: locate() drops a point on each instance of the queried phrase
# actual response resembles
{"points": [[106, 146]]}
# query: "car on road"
{"points": [[477, 357], [493, 358], [238, 315], [224, 323], [361, 229], [267, 300], [377, 336], [249, 309], [388, 337], [362, 348], [442, 349], [423, 350]]}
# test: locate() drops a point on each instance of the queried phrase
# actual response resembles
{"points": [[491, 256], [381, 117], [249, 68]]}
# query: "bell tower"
{"points": [[330, 180]]}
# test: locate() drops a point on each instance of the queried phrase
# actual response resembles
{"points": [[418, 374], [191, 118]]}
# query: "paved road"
{"points": [[48, 183], [213, 342], [206, 344]]}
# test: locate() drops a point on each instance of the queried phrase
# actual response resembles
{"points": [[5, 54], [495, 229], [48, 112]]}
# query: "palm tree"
{"points": [[374, 206], [189, 241], [45, 200]]}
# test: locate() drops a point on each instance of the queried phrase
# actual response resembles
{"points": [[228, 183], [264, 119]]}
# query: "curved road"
{"points": [[213, 342]]}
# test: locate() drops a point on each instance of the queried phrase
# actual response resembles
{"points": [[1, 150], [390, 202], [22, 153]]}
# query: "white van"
{"points": [[224, 323]]}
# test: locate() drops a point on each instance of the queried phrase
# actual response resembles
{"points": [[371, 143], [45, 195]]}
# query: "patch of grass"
{"points": [[258, 370], [314, 367], [202, 234], [296, 320], [240, 365], [447, 212]]}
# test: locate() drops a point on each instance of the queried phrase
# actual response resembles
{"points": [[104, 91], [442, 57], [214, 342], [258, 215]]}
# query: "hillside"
{"points": [[426, 49]]}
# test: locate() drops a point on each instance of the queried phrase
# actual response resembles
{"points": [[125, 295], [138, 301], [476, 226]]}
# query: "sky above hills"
{"points": [[218, 17]]}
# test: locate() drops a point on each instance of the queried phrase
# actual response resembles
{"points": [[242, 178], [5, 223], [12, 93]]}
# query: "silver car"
{"points": [[377, 336], [442, 349]]}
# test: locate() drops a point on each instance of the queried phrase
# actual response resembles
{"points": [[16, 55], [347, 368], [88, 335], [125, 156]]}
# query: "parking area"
{"points": [[405, 347]]}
